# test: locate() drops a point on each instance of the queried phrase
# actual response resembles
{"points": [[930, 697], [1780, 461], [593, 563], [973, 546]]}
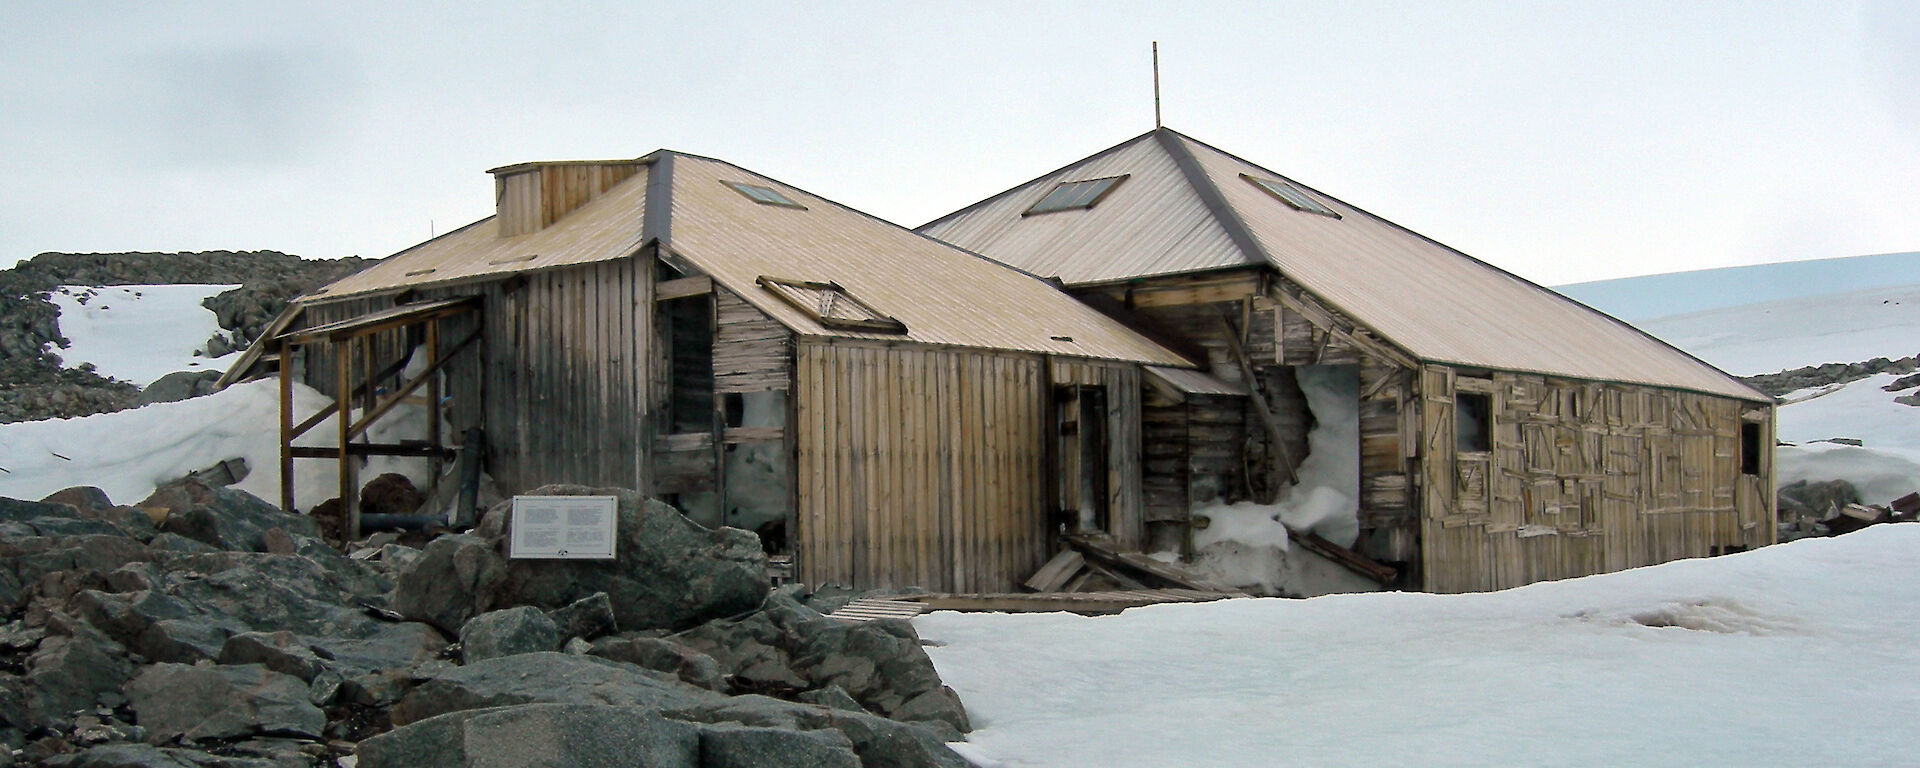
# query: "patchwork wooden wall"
{"points": [[1583, 478]]}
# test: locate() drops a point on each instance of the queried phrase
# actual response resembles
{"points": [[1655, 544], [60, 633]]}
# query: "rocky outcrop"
{"points": [[33, 385], [229, 636], [1808, 377]]}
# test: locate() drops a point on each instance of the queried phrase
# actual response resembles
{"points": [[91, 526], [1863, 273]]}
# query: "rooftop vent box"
{"points": [[530, 196]]}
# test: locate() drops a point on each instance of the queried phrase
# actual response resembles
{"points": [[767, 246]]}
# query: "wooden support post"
{"points": [[286, 429], [349, 499], [433, 406], [1259, 400]]}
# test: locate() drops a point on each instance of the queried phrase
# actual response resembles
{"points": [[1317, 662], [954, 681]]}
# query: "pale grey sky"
{"points": [[1562, 141]]}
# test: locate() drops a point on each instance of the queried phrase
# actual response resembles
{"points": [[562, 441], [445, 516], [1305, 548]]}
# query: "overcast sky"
{"points": [[1562, 141]]}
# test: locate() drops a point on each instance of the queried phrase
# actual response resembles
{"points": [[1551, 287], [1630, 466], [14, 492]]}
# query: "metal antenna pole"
{"points": [[1156, 85]]}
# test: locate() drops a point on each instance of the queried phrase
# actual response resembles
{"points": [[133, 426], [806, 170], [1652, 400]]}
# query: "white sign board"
{"points": [[563, 527]]}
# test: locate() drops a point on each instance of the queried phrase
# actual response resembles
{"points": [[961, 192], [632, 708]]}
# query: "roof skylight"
{"points": [[1291, 195], [831, 305], [763, 195], [1074, 195]]}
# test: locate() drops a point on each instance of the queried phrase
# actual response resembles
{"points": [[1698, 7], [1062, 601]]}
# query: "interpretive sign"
{"points": [[563, 527]]}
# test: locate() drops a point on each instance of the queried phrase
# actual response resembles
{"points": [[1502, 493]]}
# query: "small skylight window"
{"points": [[1291, 195], [1074, 195], [831, 305], [763, 195]]}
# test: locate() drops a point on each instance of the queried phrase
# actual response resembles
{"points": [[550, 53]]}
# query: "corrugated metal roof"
{"points": [[606, 228], [942, 294], [1430, 300], [1154, 223]]}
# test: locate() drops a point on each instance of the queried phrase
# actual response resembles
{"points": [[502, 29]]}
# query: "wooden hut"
{"points": [[885, 408], [1507, 434]]}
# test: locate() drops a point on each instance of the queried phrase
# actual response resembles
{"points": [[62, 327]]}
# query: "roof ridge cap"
{"points": [[1211, 197]]}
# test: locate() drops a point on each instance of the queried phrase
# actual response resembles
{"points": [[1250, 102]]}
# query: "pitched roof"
{"points": [[1188, 207], [684, 203]]}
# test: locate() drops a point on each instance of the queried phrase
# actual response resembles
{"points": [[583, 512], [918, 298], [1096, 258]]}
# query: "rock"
{"points": [[223, 517], [507, 632], [531, 678], [282, 652], [177, 701], [586, 618], [126, 756], [880, 743], [454, 579], [390, 494], [832, 697], [671, 573], [73, 514], [1903, 383], [68, 674], [84, 499], [572, 735], [881, 664], [690, 666], [177, 386], [729, 746], [1815, 499]]}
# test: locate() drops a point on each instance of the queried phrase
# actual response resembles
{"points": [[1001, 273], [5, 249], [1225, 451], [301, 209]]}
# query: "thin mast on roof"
{"points": [[1156, 85]]}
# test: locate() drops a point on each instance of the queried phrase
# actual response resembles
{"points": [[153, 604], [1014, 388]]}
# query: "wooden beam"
{"points": [[372, 449], [343, 378], [394, 400], [1347, 558], [1259, 399], [668, 290], [286, 430]]}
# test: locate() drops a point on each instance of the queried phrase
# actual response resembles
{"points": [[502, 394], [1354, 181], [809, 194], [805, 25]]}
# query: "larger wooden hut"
{"points": [[885, 408], [1506, 434]]}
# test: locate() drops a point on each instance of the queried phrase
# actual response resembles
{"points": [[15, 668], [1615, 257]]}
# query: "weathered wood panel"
{"points": [[1126, 508], [1583, 478], [919, 466]]}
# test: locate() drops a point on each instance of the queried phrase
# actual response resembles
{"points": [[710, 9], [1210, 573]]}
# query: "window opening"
{"points": [[1472, 429], [1750, 448], [686, 325], [831, 305], [763, 195], [1291, 195], [1075, 195]]}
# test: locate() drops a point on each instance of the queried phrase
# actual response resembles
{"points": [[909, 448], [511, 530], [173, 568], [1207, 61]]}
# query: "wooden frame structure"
{"points": [[351, 344]]}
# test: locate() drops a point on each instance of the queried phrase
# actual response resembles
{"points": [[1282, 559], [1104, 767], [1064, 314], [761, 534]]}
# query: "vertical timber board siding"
{"points": [[918, 466], [531, 199], [1585, 478], [565, 366], [1126, 507]]}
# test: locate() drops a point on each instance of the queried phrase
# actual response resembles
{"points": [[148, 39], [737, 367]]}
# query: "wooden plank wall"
{"points": [[1583, 478], [919, 466], [1126, 504], [557, 381]]}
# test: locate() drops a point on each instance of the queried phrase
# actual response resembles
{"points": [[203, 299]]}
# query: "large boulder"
{"points": [[192, 703], [879, 742], [573, 735], [455, 579], [669, 573], [662, 655], [223, 517], [730, 746], [524, 629], [553, 678], [178, 386]]}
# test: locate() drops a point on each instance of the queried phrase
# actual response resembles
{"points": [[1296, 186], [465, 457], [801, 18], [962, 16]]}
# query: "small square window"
{"points": [[831, 305], [763, 195], [1075, 195], [1291, 195]]}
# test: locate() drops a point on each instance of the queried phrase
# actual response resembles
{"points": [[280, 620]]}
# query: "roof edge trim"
{"points": [[1211, 197]]}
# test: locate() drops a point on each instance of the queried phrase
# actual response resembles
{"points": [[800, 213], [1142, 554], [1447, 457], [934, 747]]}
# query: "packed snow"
{"points": [[129, 453], [1794, 655], [1791, 333], [137, 333], [1645, 296], [1245, 543]]}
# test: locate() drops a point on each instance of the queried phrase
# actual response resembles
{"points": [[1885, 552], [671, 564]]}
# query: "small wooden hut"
{"points": [[886, 409], [1507, 434]]}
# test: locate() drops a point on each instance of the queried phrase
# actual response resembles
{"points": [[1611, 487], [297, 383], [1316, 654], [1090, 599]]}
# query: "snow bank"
{"points": [[129, 453], [1245, 544], [1885, 468], [1696, 662], [137, 333]]}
